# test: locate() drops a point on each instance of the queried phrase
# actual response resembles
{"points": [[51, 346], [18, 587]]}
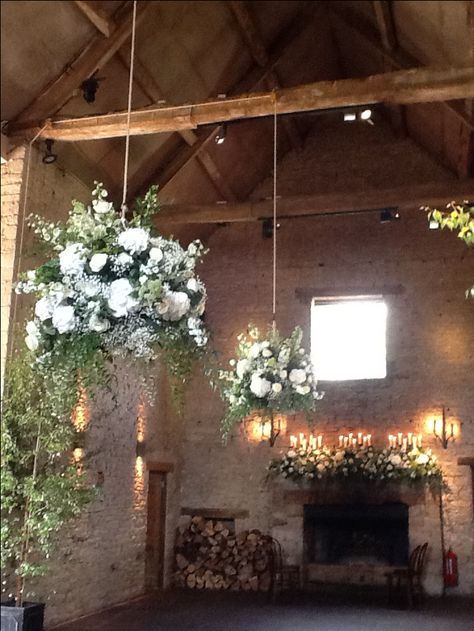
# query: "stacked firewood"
{"points": [[210, 556]]}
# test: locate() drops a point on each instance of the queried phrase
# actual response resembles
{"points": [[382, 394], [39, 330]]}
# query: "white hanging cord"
{"points": [[274, 213], [22, 222], [129, 110]]}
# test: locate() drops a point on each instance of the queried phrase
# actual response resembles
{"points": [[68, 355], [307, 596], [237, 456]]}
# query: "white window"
{"points": [[348, 338]]}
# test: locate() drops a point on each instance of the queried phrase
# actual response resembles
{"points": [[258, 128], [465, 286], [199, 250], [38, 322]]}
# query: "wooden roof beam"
{"points": [[419, 85], [93, 57], [148, 85], [97, 16], [250, 33], [409, 197]]}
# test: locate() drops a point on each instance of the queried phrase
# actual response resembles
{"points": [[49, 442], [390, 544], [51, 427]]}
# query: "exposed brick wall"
{"points": [[430, 336]]}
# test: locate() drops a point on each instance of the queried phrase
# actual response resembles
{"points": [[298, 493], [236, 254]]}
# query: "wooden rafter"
{"points": [[97, 16], [259, 53], [419, 85], [249, 83], [410, 197], [148, 85], [397, 59], [388, 35], [93, 57]]}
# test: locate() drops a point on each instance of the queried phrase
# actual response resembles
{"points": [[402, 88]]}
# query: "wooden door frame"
{"points": [[163, 468]]}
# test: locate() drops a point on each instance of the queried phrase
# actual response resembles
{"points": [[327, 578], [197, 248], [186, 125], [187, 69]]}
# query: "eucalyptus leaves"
{"points": [[271, 374]]}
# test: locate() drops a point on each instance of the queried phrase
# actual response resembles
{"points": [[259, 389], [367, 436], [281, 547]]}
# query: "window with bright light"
{"points": [[348, 338]]}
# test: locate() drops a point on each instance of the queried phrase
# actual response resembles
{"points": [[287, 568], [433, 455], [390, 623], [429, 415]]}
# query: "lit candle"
{"points": [[400, 437], [293, 441], [350, 437], [354, 442], [419, 440], [320, 441], [301, 437], [341, 440], [414, 442], [364, 441], [390, 442], [304, 443], [359, 438], [404, 444], [369, 439], [410, 438], [346, 440]]}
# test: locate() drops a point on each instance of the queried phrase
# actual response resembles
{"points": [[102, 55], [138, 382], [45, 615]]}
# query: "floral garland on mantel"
{"points": [[115, 287], [270, 374], [359, 462]]}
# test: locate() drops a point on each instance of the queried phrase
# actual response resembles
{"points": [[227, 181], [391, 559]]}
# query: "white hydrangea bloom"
{"points": [[243, 366], [260, 386], [297, 376], [44, 307], [63, 318], [422, 459], [155, 254], [255, 350], [174, 305], [124, 259], [120, 301], [134, 240], [72, 259]]}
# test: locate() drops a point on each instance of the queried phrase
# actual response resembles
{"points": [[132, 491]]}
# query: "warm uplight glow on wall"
{"points": [[81, 415], [259, 428], [139, 474], [141, 419]]}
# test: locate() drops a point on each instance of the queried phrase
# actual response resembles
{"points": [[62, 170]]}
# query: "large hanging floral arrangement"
{"points": [[362, 462], [269, 374], [116, 287]]}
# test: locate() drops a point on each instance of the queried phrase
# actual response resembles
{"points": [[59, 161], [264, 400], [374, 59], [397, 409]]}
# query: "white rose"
{"points": [[174, 305], [259, 386], [297, 376], [32, 328], [283, 374], [72, 259], [98, 261], [277, 387], [339, 456], [120, 301], [422, 459], [243, 366], [98, 324], [134, 240], [395, 459], [124, 259], [192, 249], [63, 318], [320, 467], [192, 284], [155, 254], [88, 288], [302, 389], [101, 207], [267, 352], [32, 342], [44, 307], [255, 350]]}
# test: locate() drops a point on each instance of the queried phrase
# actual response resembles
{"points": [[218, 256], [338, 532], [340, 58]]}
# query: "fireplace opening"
{"points": [[349, 534]]}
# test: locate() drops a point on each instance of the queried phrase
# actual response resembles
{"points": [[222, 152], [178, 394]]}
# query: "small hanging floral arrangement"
{"points": [[116, 287], [360, 462], [268, 375]]}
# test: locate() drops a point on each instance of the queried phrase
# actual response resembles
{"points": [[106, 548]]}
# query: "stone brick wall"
{"points": [[429, 338]]}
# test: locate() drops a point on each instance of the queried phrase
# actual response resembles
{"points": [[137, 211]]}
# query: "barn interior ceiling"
{"points": [[63, 60]]}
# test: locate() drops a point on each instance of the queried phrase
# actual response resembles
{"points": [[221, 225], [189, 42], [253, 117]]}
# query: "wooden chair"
{"points": [[409, 578], [285, 578]]}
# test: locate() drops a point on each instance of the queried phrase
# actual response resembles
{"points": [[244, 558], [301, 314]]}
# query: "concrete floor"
{"points": [[224, 611]]}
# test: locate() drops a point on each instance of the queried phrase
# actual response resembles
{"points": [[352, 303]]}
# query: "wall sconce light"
{"points": [[140, 449], [445, 435], [264, 428], [221, 135], [387, 215], [49, 157], [363, 114]]}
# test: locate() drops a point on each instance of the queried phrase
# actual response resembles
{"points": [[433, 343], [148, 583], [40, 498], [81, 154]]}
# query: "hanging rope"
{"points": [[274, 212], [129, 111], [22, 222]]}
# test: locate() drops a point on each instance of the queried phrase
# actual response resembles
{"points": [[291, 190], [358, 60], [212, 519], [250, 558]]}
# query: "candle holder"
{"points": [[446, 435]]}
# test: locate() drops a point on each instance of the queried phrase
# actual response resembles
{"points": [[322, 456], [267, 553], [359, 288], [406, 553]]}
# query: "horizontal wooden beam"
{"points": [[432, 193], [418, 85], [306, 294]]}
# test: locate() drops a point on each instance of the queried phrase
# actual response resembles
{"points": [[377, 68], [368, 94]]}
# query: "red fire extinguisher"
{"points": [[450, 569]]}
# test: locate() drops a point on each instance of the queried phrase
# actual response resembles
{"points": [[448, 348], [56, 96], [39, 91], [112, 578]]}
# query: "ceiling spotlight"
{"points": [[349, 117], [434, 225], [89, 89], [366, 115], [388, 215], [49, 157], [221, 135]]}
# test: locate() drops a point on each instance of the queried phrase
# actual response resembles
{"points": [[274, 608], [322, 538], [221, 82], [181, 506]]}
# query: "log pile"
{"points": [[210, 556]]}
